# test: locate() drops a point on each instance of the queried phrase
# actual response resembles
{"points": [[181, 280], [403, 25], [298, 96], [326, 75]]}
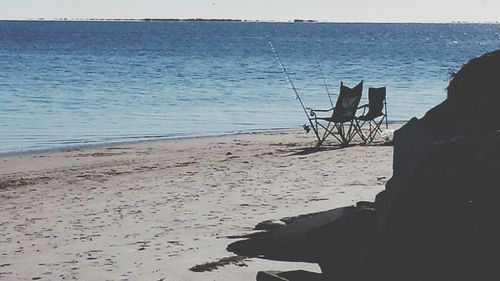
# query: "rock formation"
{"points": [[438, 217]]}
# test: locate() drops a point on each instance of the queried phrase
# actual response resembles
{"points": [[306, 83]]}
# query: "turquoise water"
{"points": [[73, 83]]}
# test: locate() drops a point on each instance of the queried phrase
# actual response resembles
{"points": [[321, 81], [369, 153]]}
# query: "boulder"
{"points": [[292, 242], [270, 225], [428, 216], [294, 275], [474, 97], [485, 200], [437, 215]]}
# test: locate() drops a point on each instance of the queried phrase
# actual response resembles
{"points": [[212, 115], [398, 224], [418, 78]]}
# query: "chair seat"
{"points": [[336, 119]]}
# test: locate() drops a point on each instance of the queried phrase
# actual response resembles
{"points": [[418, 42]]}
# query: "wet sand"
{"points": [[152, 210]]}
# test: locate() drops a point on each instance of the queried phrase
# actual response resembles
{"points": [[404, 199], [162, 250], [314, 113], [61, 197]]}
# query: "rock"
{"points": [[440, 122], [366, 204], [485, 198], [437, 214], [489, 155], [292, 242], [270, 275], [295, 275], [340, 244], [269, 225], [428, 217], [474, 97], [333, 239], [409, 143]]}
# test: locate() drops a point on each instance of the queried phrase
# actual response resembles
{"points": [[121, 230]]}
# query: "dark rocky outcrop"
{"points": [[308, 235], [437, 219]]}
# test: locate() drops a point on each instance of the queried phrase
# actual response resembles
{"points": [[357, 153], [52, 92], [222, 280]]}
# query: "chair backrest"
{"points": [[376, 99], [347, 102]]}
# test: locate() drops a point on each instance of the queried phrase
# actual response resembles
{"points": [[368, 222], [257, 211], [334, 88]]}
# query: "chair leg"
{"points": [[375, 128], [316, 132], [362, 134], [341, 131], [349, 132], [353, 130], [327, 131], [359, 130], [338, 130]]}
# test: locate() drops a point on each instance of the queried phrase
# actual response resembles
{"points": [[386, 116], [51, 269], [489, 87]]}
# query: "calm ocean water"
{"points": [[72, 83]]}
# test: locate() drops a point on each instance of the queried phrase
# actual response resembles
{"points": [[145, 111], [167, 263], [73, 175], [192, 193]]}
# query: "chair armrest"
{"points": [[312, 112], [322, 110], [364, 107]]}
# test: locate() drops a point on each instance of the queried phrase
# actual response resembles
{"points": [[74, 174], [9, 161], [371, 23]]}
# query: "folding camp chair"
{"points": [[375, 116], [341, 124]]}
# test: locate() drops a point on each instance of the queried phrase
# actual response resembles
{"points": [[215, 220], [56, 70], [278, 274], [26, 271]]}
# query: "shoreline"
{"points": [[64, 148], [152, 210], [135, 140]]}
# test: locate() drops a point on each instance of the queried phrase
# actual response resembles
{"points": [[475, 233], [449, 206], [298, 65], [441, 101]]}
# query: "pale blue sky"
{"points": [[278, 10]]}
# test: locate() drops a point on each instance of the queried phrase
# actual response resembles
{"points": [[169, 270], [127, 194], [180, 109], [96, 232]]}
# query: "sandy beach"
{"points": [[152, 210]]}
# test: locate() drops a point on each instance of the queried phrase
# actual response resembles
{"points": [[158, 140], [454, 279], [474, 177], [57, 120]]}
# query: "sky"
{"points": [[275, 10]]}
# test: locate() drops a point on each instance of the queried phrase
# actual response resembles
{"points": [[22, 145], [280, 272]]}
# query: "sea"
{"points": [[73, 83]]}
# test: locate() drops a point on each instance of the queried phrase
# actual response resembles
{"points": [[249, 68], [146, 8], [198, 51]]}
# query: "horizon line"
{"points": [[312, 21]]}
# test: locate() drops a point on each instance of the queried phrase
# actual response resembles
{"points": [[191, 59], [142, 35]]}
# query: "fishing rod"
{"points": [[297, 96], [324, 83], [322, 73]]}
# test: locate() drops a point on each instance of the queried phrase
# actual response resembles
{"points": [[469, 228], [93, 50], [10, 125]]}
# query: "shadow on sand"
{"points": [[301, 151]]}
